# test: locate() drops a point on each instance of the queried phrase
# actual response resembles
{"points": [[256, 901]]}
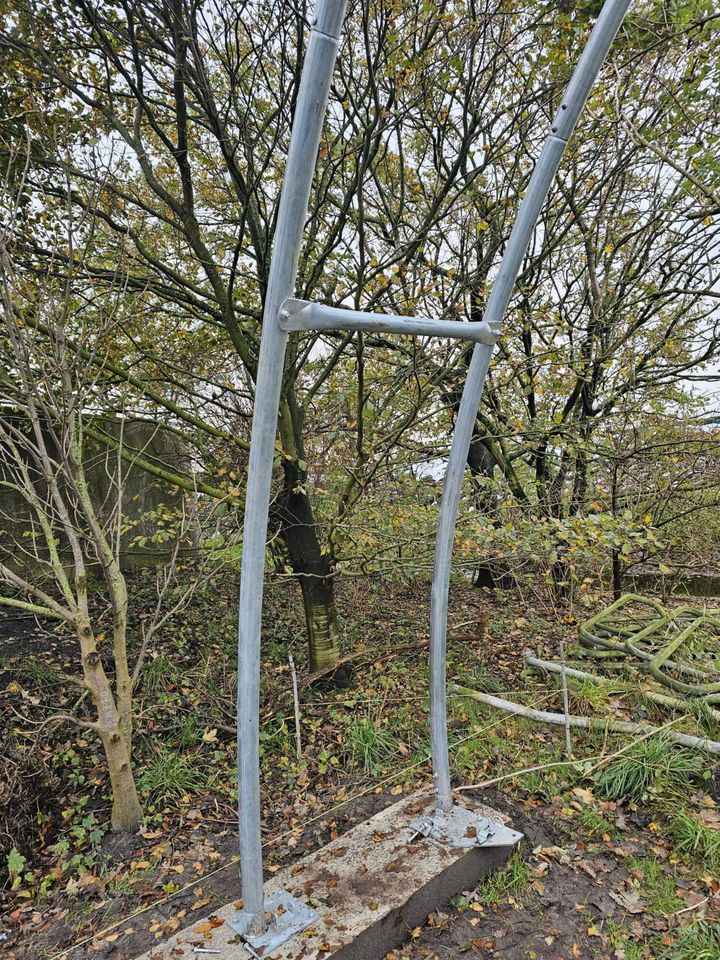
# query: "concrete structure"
{"points": [[142, 492], [369, 889]]}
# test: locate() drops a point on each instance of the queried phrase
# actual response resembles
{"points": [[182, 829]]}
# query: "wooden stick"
{"points": [[296, 703], [588, 723], [566, 704]]}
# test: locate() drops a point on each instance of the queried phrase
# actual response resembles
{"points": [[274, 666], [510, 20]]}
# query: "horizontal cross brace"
{"points": [[305, 315]]}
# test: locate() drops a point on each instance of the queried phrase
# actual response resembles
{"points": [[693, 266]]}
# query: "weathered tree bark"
{"points": [[126, 814], [312, 564]]}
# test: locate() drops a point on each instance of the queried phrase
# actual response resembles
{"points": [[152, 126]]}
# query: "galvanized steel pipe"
{"points": [[603, 33], [304, 143], [305, 315]]}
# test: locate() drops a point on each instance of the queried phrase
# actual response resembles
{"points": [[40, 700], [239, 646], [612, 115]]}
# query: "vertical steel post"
{"points": [[304, 142], [603, 34]]}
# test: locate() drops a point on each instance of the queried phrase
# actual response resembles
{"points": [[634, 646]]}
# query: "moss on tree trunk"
{"points": [[312, 563]]}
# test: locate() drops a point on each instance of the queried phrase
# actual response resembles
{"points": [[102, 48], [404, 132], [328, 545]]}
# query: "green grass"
{"points": [[705, 716], [479, 678], [471, 750], [188, 731], [171, 775], [698, 941], [658, 888], [38, 673], [510, 882], [369, 744], [654, 766], [698, 841], [586, 696], [595, 823], [621, 938], [158, 674]]}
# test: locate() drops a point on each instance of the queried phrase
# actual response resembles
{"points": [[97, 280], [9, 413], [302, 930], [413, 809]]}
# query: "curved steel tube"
{"points": [[603, 33], [307, 126], [299, 171]]}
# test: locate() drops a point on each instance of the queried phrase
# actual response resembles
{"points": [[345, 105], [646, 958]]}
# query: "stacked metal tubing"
{"points": [[653, 638], [307, 126]]}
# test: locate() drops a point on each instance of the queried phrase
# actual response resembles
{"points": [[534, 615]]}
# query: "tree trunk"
{"points": [[617, 576], [126, 812], [482, 465], [321, 620], [309, 561], [617, 571], [314, 570]]}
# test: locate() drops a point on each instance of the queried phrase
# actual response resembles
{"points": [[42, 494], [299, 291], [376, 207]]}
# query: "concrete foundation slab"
{"points": [[369, 887]]}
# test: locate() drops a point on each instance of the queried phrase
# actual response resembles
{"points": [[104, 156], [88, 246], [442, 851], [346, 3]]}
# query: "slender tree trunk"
{"points": [[321, 620], [314, 570], [482, 465], [617, 576], [617, 569], [126, 812]]}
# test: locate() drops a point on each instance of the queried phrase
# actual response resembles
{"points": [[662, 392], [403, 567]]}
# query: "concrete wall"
{"points": [[142, 493]]}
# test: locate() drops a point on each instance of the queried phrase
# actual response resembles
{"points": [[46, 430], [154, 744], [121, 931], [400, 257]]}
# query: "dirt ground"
{"points": [[595, 879], [579, 886]]}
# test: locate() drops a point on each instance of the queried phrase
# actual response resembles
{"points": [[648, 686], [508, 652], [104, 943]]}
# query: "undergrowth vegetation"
{"points": [[697, 941], [698, 842], [369, 738], [655, 767], [510, 882]]}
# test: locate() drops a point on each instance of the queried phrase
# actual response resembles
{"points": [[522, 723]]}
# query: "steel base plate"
{"points": [[289, 916], [459, 827]]}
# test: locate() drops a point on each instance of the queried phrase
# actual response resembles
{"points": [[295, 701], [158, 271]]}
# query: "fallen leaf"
{"points": [[629, 900], [210, 924]]}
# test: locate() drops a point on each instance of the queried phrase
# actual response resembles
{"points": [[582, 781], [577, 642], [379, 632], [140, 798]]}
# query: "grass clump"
{"points": [[698, 841], [369, 744], [160, 674], [624, 942], [481, 679], [697, 941], [172, 775], [706, 717], [588, 697], [595, 823], [654, 766], [510, 882], [658, 888], [38, 673]]}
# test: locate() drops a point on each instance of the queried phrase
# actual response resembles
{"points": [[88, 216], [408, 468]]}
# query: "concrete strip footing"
{"points": [[370, 888]]}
